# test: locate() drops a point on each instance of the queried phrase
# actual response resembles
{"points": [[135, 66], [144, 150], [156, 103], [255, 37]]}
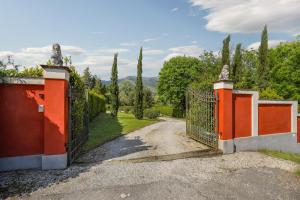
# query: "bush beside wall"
{"points": [[96, 104], [169, 111]]}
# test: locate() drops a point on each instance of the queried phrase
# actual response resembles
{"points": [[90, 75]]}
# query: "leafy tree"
{"points": [[114, 88], [97, 85], [175, 77], [247, 75], [284, 71], [237, 63], [127, 93], [209, 70], [138, 102], [87, 77], [148, 98], [226, 51], [262, 69]]}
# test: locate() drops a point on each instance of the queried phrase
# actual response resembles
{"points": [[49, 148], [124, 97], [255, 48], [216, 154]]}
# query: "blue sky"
{"points": [[91, 31]]}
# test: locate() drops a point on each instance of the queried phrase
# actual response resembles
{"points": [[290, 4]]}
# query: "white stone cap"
{"points": [[223, 85], [22, 81], [56, 72]]}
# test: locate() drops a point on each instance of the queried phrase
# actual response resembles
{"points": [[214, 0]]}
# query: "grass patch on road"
{"points": [[105, 128], [285, 156]]}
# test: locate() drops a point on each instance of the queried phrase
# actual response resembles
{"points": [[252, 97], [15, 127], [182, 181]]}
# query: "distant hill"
{"points": [[149, 82]]}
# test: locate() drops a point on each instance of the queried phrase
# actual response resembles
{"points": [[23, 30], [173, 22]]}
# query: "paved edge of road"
{"points": [[169, 157]]}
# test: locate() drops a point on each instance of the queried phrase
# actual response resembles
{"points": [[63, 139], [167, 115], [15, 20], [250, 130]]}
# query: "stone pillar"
{"points": [[224, 90], [55, 117]]}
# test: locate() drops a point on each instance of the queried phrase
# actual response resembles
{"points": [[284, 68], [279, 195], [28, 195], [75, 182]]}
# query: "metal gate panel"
{"points": [[78, 122], [201, 116]]}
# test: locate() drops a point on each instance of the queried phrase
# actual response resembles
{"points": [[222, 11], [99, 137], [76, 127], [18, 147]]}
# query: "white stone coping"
{"points": [[276, 102], [223, 85], [252, 92], [55, 73], [22, 81]]}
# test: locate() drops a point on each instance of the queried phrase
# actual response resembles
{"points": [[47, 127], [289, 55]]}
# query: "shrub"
{"points": [[96, 104], [169, 111], [151, 113], [126, 109]]}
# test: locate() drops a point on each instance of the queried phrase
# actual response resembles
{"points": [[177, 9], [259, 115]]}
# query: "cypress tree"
{"points": [[237, 63], [114, 88], [138, 101], [226, 51], [262, 69], [87, 77]]}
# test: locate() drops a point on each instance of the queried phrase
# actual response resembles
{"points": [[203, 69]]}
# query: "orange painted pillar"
{"points": [[224, 89], [298, 128], [55, 117]]}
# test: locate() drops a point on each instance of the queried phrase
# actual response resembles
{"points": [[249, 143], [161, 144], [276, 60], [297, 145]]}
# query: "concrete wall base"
{"points": [[43, 162], [226, 146], [286, 142], [54, 161]]}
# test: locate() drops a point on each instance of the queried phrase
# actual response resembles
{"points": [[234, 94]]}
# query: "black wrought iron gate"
{"points": [[201, 116], [78, 122]]}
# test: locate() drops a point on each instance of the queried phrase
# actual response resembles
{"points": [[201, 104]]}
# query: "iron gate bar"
{"points": [[78, 122], [201, 116]]}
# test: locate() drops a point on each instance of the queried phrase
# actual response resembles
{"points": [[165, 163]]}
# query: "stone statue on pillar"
{"points": [[224, 76], [56, 57]]}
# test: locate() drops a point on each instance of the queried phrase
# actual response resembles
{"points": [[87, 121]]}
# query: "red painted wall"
{"points": [[21, 125], [242, 106], [56, 116], [225, 114], [274, 118], [298, 129]]}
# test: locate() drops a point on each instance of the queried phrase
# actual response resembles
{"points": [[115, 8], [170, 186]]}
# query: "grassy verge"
{"points": [[286, 156], [105, 128]]}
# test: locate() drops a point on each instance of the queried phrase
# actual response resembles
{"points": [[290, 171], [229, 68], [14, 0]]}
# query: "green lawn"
{"points": [[286, 156], [105, 128]]}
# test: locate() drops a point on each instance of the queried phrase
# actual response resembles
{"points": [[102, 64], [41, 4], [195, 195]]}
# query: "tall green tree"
{"points": [[262, 69], [138, 101], [114, 88], [226, 51], [237, 63], [87, 77]]}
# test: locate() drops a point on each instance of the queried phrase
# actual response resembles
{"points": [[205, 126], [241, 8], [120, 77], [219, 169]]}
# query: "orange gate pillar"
{"points": [[55, 117], [225, 115]]}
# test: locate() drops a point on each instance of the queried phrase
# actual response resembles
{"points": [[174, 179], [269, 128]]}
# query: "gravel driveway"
{"points": [[163, 138], [245, 175]]}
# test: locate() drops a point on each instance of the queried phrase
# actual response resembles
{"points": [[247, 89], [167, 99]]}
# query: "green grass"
{"points": [[286, 156], [105, 128]]}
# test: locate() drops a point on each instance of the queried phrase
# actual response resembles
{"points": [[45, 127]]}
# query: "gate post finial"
{"points": [[224, 89]]}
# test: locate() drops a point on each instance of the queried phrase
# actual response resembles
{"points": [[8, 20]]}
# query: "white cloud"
{"points": [[271, 44], [153, 52], [110, 51], [175, 9], [38, 55], [128, 44], [191, 50], [150, 39], [194, 42], [234, 16], [73, 50]]}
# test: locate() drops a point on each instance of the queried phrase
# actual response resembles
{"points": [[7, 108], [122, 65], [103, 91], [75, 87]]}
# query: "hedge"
{"points": [[96, 104], [169, 111]]}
